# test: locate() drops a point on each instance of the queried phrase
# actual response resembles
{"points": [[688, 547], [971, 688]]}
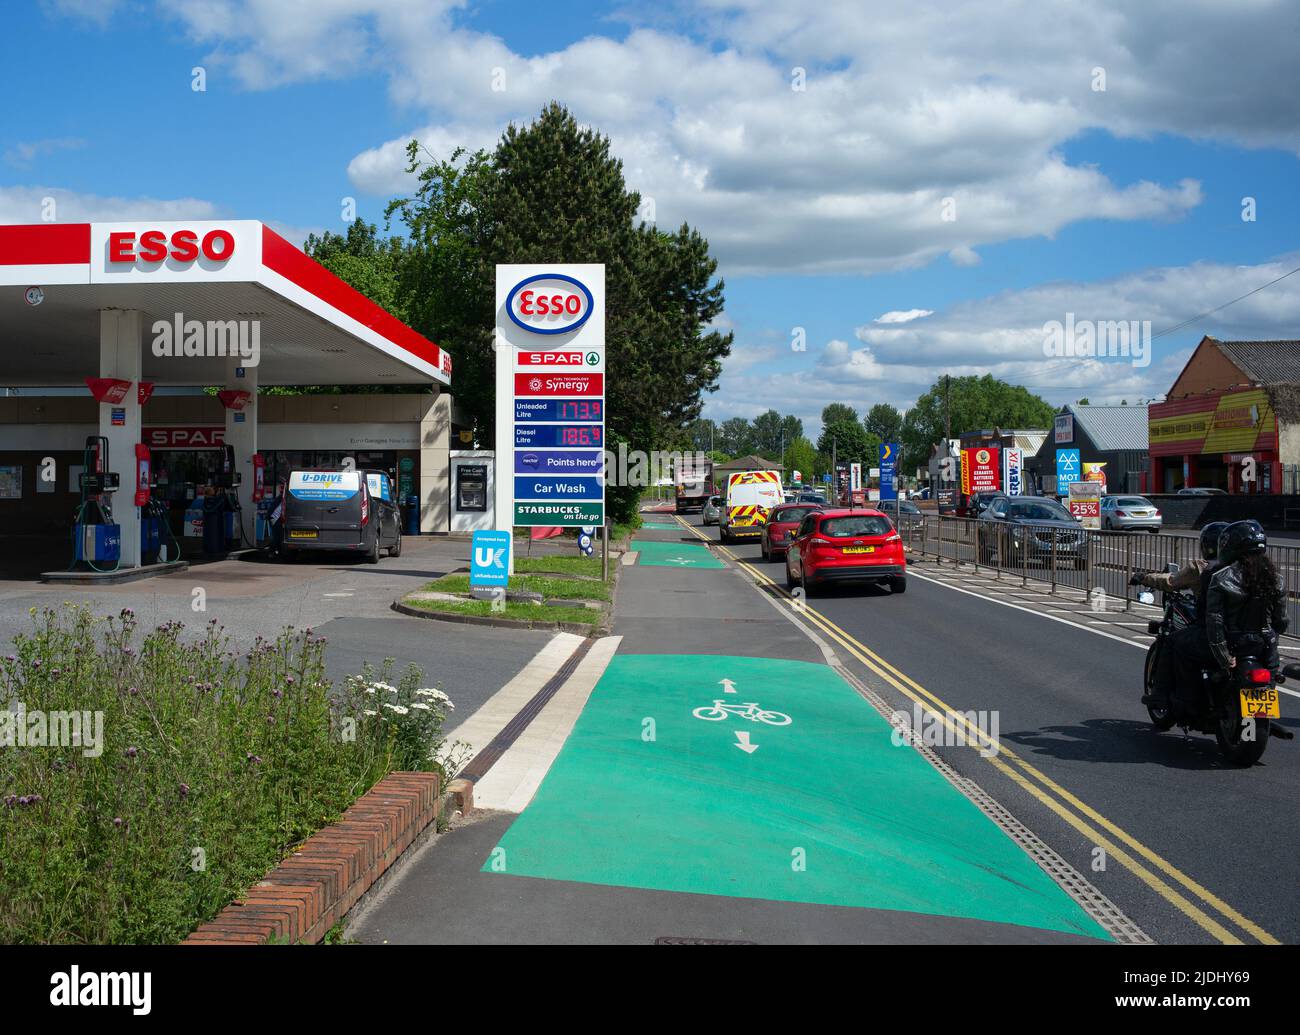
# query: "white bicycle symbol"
{"points": [[751, 710]]}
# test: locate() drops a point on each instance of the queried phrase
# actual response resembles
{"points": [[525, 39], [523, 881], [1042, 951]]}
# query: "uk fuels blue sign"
{"points": [[1068, 469], [489, 558]]}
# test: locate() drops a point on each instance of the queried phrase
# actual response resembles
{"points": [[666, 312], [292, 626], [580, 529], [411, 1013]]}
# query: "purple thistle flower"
{"points": [[131, 752]]}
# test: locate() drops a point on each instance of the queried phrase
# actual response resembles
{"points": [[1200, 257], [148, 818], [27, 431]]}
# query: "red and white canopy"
{"points": [[314, 328]]}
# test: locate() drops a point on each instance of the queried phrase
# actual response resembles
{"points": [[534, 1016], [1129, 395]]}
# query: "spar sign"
{"points": [[550, 381]]}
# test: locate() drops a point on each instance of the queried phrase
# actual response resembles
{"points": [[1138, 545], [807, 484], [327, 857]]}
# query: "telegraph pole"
{"points": [[947, 409]]}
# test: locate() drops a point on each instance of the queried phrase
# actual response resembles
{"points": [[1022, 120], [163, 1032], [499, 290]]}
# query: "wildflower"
{"points": [[399, 709], [117, 821], [388, 687], [277, 694], [10, 800], [422, 706], [185, 790], [370, 711], [131, 752]]}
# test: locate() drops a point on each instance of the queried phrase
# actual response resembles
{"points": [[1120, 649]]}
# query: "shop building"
{"points": [[1112, 436], [1230, 421]]}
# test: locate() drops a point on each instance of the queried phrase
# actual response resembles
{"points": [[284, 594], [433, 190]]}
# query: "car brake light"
{"points": [[895, 538], [818, 541], [1157, 514], [1259, 675], [1120, 513], [365, 510]]}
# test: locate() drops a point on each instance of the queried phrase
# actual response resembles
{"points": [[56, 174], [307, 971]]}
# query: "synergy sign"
{"points": [[550, 395]]}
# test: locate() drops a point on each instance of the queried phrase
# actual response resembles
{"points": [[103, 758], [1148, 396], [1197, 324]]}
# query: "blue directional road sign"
{"points": [[489, 559]]}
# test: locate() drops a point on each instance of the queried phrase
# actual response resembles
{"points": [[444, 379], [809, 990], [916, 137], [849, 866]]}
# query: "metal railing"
{"points": [[1095, 564]]}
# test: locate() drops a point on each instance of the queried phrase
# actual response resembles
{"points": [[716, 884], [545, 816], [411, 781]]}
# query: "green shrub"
{"points": [[213, 766]]}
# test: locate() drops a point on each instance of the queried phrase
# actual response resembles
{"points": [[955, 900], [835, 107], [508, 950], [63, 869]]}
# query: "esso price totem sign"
{"points": [[550, 303]]}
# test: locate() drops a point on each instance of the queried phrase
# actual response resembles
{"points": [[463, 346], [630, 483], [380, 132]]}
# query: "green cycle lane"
{"points": [[769, 779], [654, 554], [659, 526]]}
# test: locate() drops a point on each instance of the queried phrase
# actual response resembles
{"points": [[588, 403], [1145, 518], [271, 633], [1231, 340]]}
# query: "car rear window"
{"points": [[1038, 512], [1132, 501], [790, 513], [864, 524]]}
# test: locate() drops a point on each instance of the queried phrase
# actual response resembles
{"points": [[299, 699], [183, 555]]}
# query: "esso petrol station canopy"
{"points": [[314, 328]]}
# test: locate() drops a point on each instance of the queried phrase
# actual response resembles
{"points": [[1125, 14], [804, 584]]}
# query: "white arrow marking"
{"points": [[728, 685], [745, 745]]}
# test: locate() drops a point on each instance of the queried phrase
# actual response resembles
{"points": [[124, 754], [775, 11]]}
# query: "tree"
{"points": [[800, 456], [974, 403], [735, 437], [837, 412], [702, 434], [551, 191], [852, 442], [884, 421]]}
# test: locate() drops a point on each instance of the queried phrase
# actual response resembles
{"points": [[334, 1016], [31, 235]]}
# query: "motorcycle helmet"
{"points": [[1210, 539], [1241, 538]]}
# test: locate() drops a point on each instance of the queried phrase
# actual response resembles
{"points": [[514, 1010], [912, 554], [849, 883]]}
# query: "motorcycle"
{"points": [[1236, 706]]}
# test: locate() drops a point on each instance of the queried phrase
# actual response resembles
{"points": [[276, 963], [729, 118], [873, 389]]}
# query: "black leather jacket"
{"points": [[1231, 613]]}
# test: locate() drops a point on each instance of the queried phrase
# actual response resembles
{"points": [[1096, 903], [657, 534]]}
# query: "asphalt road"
{"points": [[1067, 701]]}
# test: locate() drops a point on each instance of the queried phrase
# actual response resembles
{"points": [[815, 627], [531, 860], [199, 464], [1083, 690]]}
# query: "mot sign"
{"points": [[550, 382]]}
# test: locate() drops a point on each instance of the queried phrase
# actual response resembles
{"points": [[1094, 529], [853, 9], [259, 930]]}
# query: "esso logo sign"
{"points": [[180, 246], [549, 303]]}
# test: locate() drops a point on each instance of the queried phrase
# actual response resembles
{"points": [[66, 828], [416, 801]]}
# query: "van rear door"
{"points": [[324, 507]]}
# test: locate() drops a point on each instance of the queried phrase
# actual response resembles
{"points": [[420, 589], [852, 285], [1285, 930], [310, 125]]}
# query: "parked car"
{"points": [[846, 545], [1193, 491], [789, 496], [811, 497], [781, 527], [1014, 531], [352, 511], [712, 511], [1129, 513]]}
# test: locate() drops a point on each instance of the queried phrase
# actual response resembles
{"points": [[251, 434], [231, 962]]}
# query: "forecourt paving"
{"points": [[739, 791]]}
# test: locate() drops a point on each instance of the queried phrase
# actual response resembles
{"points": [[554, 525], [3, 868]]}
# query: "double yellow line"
{"points": [[1194, 900]]}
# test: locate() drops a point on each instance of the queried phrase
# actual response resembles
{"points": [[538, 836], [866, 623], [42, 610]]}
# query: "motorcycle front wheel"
{"points": [[1233, 743], [1161, 718]]}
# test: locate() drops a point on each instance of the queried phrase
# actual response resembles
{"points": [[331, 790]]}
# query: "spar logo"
{"points": [[551, 359], [549, 303]]}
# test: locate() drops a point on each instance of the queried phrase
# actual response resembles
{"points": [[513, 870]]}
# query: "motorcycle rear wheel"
{"points": [[1161, 718], [1235, 748]]}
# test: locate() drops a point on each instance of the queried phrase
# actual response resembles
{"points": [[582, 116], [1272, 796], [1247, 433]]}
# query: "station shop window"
{"points": [[279, 462]]}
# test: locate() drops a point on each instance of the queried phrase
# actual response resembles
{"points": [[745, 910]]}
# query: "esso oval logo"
{"points": [[549, 303], [180, 246]]}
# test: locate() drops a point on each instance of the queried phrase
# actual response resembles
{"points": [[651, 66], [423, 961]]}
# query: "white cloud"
{"points": [[28, 205], [24, 152], [901, 112], [903, 315]]}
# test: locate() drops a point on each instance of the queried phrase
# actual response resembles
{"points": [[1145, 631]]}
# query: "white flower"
{"points": [[399, 709], [422, 706], [370, 690], [385, 686], [436, 695], [371, 711]]}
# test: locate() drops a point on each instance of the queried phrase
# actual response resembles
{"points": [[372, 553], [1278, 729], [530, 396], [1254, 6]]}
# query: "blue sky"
{"points": [[822, 204]]}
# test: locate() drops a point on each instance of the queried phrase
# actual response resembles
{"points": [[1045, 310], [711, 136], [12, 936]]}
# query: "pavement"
{"points": [[725, 776], [347, 602]]}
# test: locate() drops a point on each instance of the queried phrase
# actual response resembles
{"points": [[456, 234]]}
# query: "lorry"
{"points": [[693, 478], [751, 495]]}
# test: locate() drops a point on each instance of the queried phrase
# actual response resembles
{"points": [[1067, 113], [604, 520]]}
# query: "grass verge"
{"points": [[513, 611]]}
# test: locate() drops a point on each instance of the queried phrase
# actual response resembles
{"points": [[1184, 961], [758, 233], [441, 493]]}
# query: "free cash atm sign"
{"points": [[550, 382]]}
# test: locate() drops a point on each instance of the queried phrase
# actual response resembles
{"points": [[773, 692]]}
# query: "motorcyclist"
{"points": [[1195, 574], [1246, 604]]}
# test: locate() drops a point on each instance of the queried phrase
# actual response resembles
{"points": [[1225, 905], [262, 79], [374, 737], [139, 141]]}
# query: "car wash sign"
{"points": [[550, 380]]}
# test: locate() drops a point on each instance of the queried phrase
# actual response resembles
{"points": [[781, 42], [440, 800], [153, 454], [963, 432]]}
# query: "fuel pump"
{"points": [[96, 539]]}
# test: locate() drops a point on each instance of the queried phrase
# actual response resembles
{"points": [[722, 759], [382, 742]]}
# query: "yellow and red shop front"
{"points": [[1214, 441]]}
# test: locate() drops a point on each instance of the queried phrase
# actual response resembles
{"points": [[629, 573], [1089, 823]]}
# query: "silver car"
{"points": [[712, 510], [1130, 513]]}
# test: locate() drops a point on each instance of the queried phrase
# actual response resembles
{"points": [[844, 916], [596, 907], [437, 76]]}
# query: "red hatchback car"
{"points": [[781, 527], [835, 545]]}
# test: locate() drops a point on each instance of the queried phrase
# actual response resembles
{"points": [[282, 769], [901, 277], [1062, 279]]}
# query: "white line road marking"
{"points": [[728, 685]]}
